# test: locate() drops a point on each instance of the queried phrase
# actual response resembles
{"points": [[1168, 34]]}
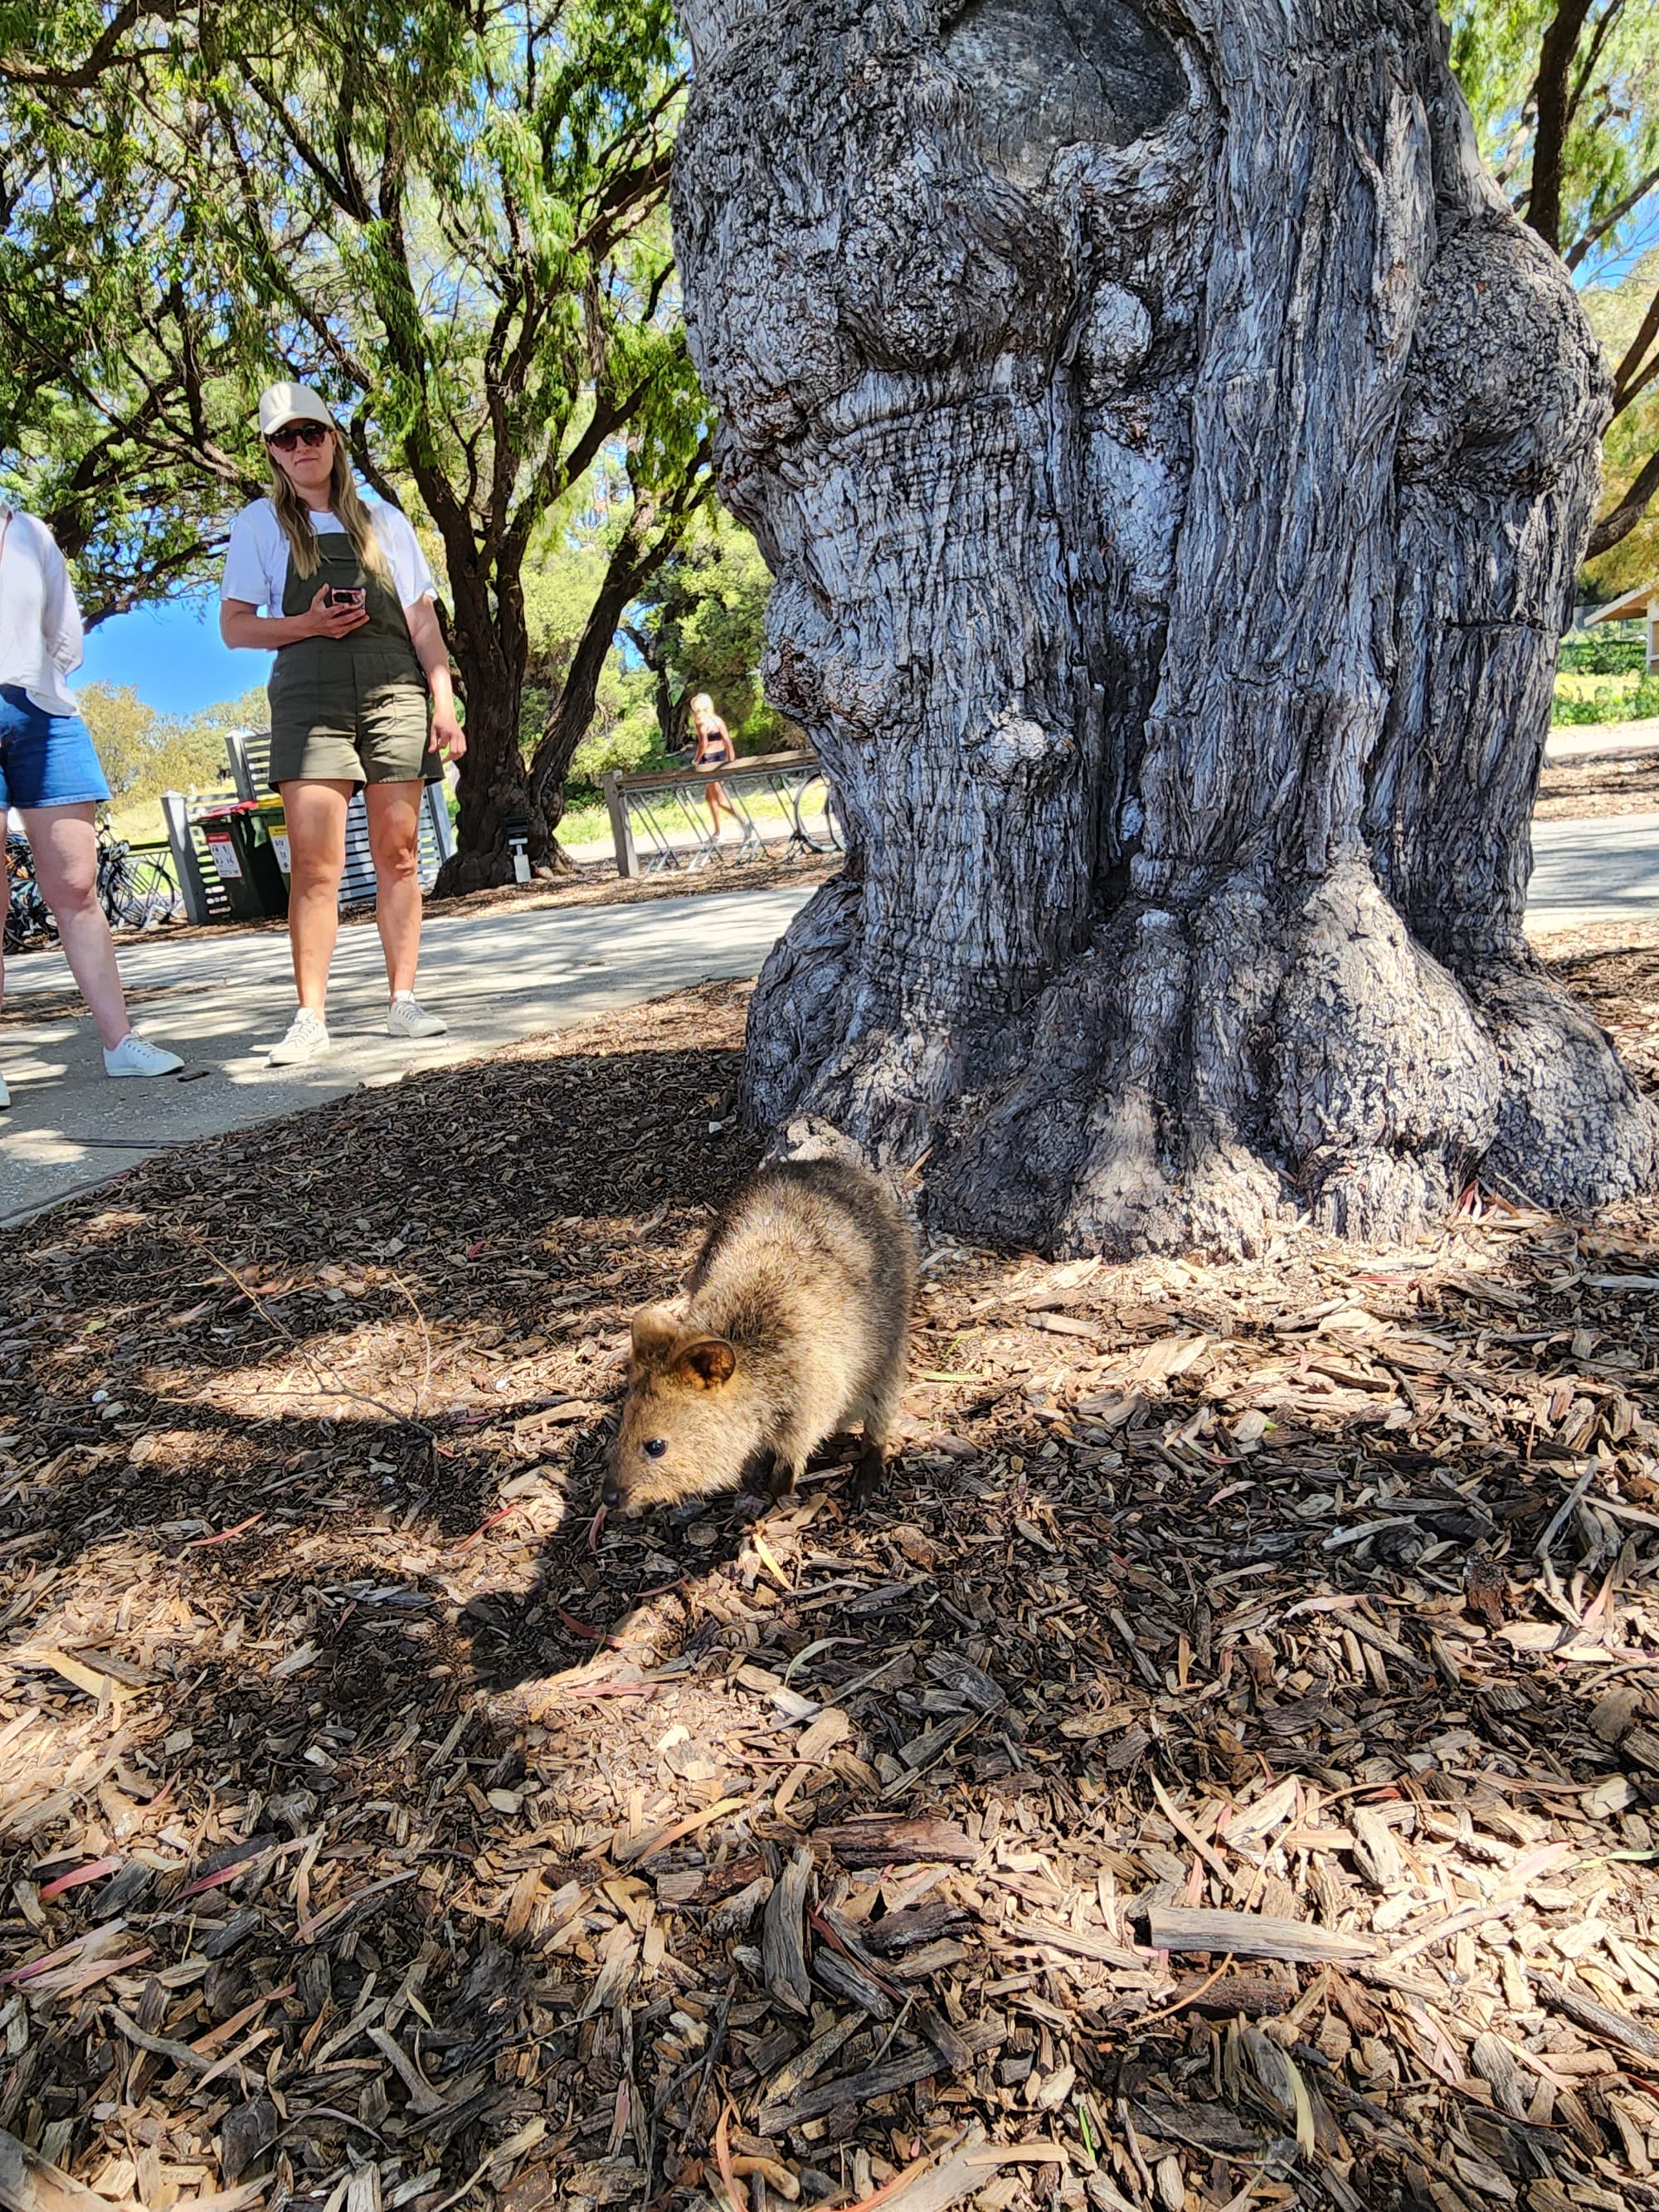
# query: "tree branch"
{"points": [[338, 187], [105, 54], [1609, 17], [653, 532], [1551, 100], [1599, 230], [1616, 525], [1625, 381]]}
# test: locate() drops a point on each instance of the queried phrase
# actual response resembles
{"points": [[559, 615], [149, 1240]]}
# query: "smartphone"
{"points": [[342, 595]]}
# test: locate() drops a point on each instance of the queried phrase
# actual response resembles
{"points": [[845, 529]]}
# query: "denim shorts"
{"points": [[45, 760]]}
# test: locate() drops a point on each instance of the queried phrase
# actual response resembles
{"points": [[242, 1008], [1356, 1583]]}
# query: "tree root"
{"points": [[1197, 1081]]}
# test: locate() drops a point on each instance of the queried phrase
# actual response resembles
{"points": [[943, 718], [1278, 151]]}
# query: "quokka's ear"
{"points": [[705, 1362], [655, 1328]]}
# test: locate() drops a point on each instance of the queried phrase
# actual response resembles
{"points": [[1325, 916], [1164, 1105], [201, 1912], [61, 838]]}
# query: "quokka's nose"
{"points": [[612, 1494]]}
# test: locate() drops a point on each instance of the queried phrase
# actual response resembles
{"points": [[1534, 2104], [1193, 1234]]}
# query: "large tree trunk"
{"points": [[1174, 461], [490, 647]]}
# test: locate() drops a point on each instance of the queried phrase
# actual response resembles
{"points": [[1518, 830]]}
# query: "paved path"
{"points": [[1585, 872], [495, 979]]}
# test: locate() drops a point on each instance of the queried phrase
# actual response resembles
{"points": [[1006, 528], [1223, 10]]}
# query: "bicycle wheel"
{"points": [[814, 804], [29, 923], [118, 892], [155, 890]]}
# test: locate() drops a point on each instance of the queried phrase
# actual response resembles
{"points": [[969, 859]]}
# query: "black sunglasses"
{"points": [[299, 434]]}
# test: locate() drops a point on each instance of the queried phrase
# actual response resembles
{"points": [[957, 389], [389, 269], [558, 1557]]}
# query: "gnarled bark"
{"points": [[1174, 461]]}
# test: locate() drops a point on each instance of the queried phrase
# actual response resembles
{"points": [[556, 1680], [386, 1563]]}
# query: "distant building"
{"points": [[1641, 604]]}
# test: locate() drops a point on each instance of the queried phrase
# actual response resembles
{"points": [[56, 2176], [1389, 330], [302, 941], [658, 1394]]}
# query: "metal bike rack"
{"points": [[659, 825]]}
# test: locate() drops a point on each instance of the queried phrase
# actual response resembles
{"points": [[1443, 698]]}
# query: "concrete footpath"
{"points": [[495, 978], [1587, 873]]}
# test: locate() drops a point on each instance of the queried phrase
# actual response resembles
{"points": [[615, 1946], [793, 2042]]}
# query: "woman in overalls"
{"points": [[348, 607]]}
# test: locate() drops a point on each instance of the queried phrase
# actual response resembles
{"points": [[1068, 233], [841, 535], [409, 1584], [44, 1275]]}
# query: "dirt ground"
{"points": [[1223, 1771], [1614, 968]]}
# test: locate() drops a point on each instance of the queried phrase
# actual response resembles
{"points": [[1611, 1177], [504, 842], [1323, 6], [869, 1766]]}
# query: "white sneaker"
{"points": [[137, 1055], [306, 1039], [5, 1094], [407, 1018]]}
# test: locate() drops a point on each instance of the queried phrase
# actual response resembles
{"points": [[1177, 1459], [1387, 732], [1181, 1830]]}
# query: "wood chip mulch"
{"points": [[1613, 969], [1579, 791], [1224, 1770]]}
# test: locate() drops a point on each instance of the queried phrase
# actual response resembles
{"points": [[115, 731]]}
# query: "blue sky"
{"points": [[171, 656]]}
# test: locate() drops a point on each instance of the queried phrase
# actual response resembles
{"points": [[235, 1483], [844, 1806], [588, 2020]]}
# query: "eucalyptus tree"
{"points": [[1565, 96], [1176, 458], [122, 406], [448, 218]]}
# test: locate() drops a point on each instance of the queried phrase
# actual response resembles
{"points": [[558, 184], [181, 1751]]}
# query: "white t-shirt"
{"points": [[40, 635], [256, 560]]}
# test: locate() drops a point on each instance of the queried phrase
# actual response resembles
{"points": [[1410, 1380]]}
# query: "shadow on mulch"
{"points": [[1223, 1765]]}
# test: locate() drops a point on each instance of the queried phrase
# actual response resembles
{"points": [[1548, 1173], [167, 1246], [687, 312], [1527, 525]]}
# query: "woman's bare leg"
{"points": [[394, 840], [316, 844], [65, 842]]}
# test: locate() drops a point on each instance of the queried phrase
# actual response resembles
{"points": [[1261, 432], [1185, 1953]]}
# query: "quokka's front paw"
{"points": [[867, 1481], [759, 1475]]}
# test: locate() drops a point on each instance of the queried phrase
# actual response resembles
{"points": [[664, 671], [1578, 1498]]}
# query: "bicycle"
{"points": [[137, 890], [29, 925], [815, 797]]}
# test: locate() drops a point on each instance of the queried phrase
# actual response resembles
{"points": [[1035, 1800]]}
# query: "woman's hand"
{"points": [[241, 623], [433, 653], [325, 620], [448, 735]]}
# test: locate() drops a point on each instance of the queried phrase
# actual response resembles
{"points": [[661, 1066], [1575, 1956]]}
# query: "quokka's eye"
{"points": [[655, 1447]]}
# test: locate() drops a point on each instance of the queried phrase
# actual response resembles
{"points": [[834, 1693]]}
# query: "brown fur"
{"points": [[795, 1325]]}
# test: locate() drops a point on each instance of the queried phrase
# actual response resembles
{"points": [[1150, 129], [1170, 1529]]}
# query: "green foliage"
{"points": [[452, 222], [1609, 197], [625, 734], [1612, 141], [716, 632], [120, 401], [698, 625], [703, 624], [1610, 702], [124, 730], [559, 589], [1605, 656], [1617, 311], [144, 754]]}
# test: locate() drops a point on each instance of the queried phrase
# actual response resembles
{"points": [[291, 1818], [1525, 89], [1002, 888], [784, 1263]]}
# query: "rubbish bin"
{"points": [[273, 815], [240, 844]]}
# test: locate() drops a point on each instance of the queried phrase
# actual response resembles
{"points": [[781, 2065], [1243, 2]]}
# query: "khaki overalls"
{"points": [[349, 709]]}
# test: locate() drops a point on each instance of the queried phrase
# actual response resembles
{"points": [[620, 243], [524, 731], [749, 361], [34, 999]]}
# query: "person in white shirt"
{"points": [[342, 593], [49, 772]]}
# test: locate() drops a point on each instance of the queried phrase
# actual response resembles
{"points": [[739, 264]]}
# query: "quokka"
{"points": [[794, 1326]]}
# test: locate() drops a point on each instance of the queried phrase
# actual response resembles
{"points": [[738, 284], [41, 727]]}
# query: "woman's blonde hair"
{"points": [[344, 504], [702, 704]]}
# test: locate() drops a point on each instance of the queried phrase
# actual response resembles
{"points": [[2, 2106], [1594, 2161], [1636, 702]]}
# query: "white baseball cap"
{"points": [[290, 403]]}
